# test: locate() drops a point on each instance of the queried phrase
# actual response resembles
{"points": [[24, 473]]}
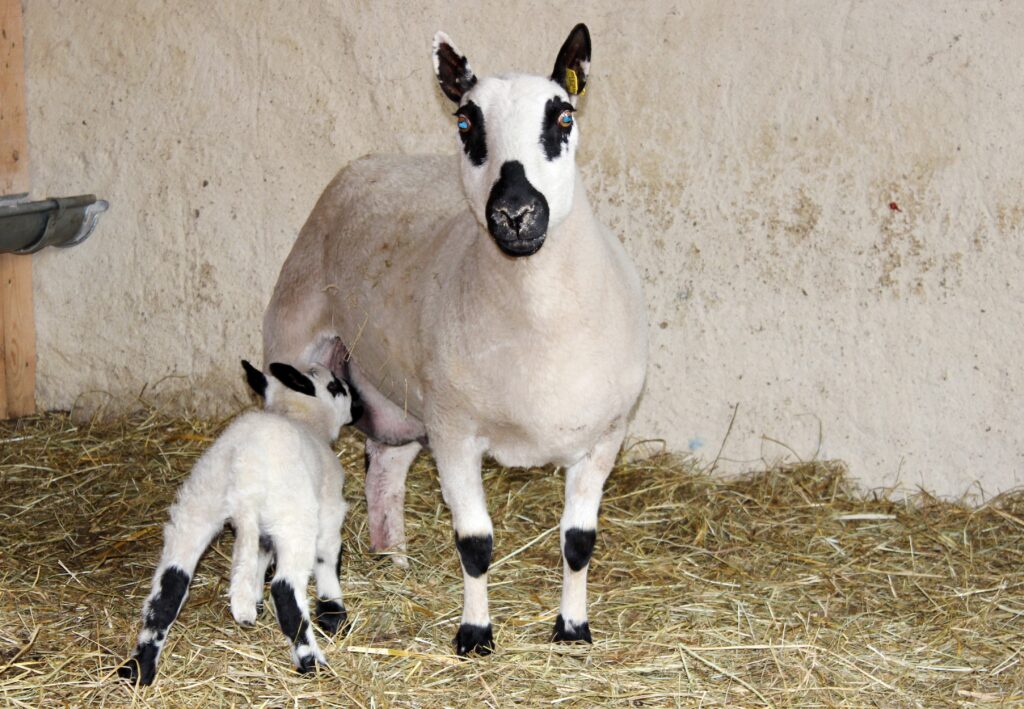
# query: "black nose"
{"points": [[512, 215], [517, 214]]}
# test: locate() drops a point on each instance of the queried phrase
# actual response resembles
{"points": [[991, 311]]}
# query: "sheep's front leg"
{"points": [[463, 491], [584, 483], [330, 609]]}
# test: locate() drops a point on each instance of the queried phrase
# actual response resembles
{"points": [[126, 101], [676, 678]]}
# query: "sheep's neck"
{"points": [[554, 283]]}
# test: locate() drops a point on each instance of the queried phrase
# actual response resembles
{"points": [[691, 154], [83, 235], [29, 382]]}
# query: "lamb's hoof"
{"points": [[309, 664], [136, 672], [245, 616], [571, 633], [474, 638], [259, 608], [331, 616]]}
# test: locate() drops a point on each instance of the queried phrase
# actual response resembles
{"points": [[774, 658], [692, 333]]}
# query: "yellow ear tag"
{"points": [[572, 84]]}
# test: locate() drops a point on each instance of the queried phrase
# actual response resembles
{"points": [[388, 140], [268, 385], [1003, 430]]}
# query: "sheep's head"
{"points": [[518, 136], [315, 396]]}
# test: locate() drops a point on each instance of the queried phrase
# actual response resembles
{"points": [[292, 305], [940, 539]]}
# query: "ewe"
{"points": [[489, 316]]}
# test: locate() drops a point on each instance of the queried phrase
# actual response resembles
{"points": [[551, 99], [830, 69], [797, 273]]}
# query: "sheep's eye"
{"points": [[335, 387], [565, 120], [463, 123]]}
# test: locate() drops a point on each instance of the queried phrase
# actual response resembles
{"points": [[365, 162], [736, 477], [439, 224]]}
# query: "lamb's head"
{"points": [[519, 137], [314, 396]]}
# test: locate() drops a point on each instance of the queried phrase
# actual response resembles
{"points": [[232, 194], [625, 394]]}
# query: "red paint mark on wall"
{"points": [[894, 207]]}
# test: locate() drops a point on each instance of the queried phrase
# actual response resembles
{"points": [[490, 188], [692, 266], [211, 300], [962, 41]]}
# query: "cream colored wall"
{"points": [[746, 153]]}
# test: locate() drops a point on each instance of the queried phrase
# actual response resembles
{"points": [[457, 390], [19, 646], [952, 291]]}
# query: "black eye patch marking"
{"points": [[335, 387], [474, 141], [552, 135]]}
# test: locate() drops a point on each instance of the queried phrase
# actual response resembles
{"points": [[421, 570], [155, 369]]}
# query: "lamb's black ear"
{"points": [[452, 69], [257, 379], [573, 63], [292, 378]]}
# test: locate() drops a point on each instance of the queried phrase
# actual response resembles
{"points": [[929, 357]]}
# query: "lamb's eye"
{"points": [[565, 120], [463, 124]]}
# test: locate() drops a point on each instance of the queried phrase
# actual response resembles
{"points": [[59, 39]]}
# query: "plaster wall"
{"points": [[825, 199]]}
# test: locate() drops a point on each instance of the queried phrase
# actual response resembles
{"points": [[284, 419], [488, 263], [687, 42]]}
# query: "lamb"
{"points": [[493, 317], [273, 475]]}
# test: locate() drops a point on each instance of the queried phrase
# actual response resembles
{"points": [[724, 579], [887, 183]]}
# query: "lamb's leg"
{"points": [[463, 491], [584, 483], [288, 589], [264, 559], [246, 581], [183, 545], [330, 609], [386, 469]]}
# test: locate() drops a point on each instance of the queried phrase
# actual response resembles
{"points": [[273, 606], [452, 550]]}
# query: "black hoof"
{"points": [[307, 665], [474, 638], [331, 616], [136, 674], [571, 634], [259, 608]]}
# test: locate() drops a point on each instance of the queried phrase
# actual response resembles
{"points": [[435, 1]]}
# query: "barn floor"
{"points": [[782, 588]]}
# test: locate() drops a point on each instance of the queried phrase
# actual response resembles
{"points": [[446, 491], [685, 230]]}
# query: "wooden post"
{"points": [[17, 317]]}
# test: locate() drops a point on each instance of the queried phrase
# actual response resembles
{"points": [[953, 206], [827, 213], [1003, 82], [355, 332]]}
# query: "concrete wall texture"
{"points": [[825, 199]]}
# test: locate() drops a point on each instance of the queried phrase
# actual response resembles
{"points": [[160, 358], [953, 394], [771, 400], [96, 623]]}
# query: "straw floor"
{"points": [[784, 588]]}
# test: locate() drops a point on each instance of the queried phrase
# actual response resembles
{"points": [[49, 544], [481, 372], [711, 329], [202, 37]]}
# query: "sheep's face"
{"points": [[314, 390], [518, 136]]}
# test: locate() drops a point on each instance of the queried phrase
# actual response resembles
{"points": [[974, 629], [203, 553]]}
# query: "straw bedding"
{"points": [[781, 588]]}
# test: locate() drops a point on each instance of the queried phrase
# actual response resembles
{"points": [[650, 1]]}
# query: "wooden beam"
{"points": [[17, 319], [17, 316], [14, 177]]}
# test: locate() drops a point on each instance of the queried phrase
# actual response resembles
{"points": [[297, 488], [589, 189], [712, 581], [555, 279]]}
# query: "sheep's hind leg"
{"points": [[393, 439], [463, 491], [183, 546], [288, 589], [386, 470], [584, 484]]}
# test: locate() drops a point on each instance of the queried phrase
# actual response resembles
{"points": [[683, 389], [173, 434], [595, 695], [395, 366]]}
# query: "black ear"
{"points": [[452, 68], [573, 63], [292, 378], [257, 379]]}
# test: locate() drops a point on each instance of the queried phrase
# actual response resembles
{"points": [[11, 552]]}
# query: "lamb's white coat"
{"points": [[532, 361], [271, 474]]}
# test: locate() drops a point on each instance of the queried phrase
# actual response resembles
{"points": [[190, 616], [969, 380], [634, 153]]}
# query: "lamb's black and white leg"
{"points": [[386, 469], [584, 483], [330, 608], [184, 543], [463, 491], [294, 558], [246, 579]]}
